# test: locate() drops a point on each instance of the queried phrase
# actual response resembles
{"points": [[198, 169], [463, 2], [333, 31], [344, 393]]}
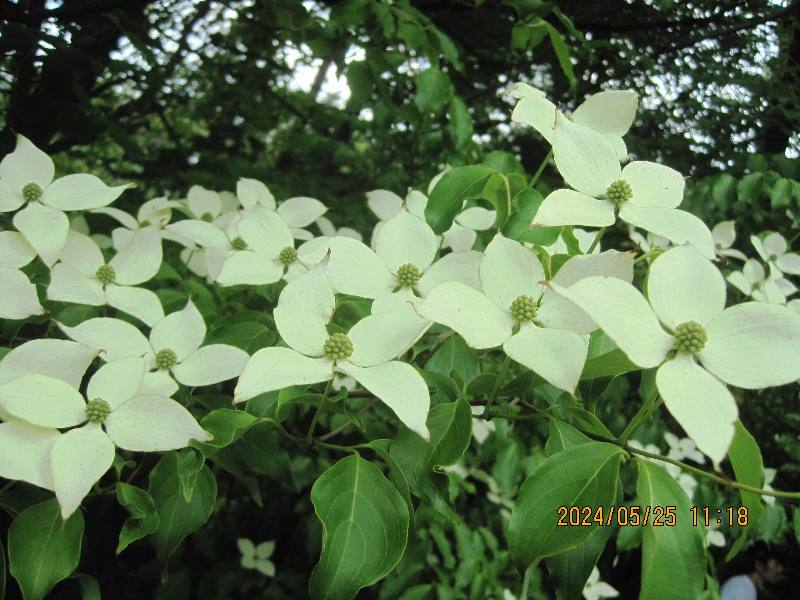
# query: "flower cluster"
{"points": [[539, 306]]}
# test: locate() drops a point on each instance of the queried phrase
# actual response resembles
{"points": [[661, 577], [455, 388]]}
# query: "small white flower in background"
{"points": [[753, 281], [297, 213], [724, 234], [202, 204], [714, 537], [462, 233], [153, 215], [18, 299], [594, 589], [304, 309], [257, 556], [649, 241], [175, 346], [328, 229], [686, 481], [769, 477], [83, 276], [481, 428], [683, 320], [683, 448], [651, 448], [24, 448], [549, 339], [609, 113], [80, 457], [26, 177], [643, 194], [774, 250]]}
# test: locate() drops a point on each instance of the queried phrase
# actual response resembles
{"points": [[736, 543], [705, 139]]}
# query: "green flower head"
{"points": [[32, 192], [408, 275], [338, 347], [97, 410], [523, 308], [690, 337]]}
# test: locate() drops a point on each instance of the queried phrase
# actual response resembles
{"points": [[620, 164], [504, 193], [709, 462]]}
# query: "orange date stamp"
{"points": [[642, 516], [624, 516]]}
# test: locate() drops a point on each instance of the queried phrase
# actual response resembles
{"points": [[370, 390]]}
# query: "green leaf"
{"points": [[504, 162], [585, 475], [563, 436], [90, 589], [455, 356], [781, 193], [562, 54], [144, 518], [607, 365], [523, 209], [749, 187], [43, 549], [448, 196], [572, 568], [724, 190], [796, 523], [434, 90], [365, 522], [226, 425], [260, 450], [748, 467], [673, 557], [451, 431], [359, 80], [460, 125], [177, 517], [250, 337]]}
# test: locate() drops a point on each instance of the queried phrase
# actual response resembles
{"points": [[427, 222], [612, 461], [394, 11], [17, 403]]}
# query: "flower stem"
{"points": [[497, 383], [597, 238], [313, 426], [539, 171]]}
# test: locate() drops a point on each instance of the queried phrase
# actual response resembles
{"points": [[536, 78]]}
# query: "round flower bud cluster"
{"points": [[690, 337]]}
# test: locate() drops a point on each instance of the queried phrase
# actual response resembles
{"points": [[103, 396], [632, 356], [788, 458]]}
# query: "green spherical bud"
{"points": [[97, 410], [618, 192], [523, 308], [238, 243], [690, 337], [338, 347], [408, 275], [166, 358], [207, 217], [287, 256], [106, 274], [32, 191]]}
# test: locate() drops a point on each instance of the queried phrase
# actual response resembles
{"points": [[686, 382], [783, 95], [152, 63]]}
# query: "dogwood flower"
{"points": [[683, 321], [724, 234], [83, 276], [200, 203], [549, 338], [594, 589], [609, 113], [26, 177], [154, 214], [79, 457], [773, 250], [297, 213], [753, 281], [643, 194], [683, 448], [462, 233], [328, 229], [175, 346], [304, 309], [19, 299], [24, 448], [257, 556]]}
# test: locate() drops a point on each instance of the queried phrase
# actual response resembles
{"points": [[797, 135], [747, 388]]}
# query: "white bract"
{"points": [[83, 276], [535, 327], [643, 194], [594, 589], [462, 233], [774, 250], [609, 113], [27, 177], [724, 234], [80, 456], [175, 346], [257, 556], [304, 309], [154, 215], [751, 345], [754, 282], [328, 229], [18, 299]]}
